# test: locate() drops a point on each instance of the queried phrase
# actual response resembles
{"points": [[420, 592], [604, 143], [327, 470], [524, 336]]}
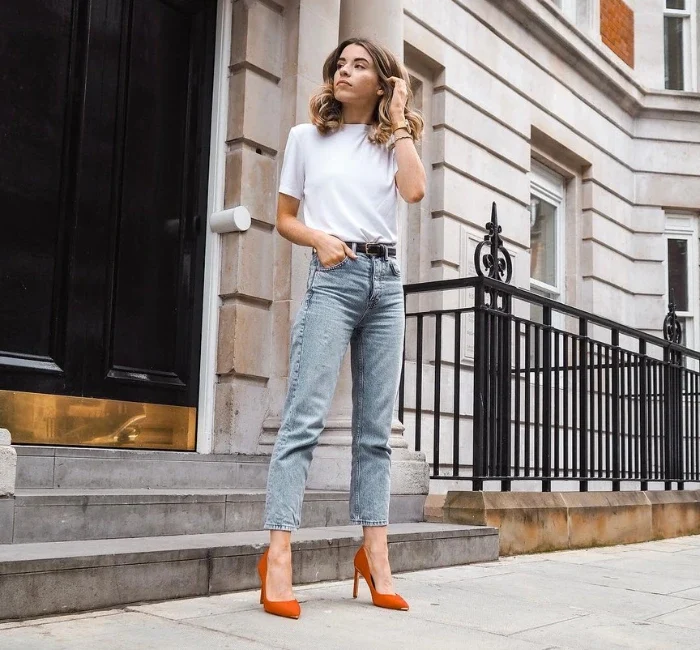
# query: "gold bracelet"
{"points": [[402, 137]]}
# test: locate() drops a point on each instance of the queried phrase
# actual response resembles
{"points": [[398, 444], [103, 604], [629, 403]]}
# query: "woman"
{"points": [[348, 166]]}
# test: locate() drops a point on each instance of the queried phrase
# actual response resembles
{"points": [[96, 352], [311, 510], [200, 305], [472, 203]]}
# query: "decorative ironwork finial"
{"points": [[496, 263], [673, 331]]}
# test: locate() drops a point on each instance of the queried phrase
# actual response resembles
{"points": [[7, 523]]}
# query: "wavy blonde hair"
{"points": [[326, 111]]}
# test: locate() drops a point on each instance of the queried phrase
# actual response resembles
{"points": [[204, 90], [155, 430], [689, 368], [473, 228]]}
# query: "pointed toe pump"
{"points": [[388, 601], [285, 608]]}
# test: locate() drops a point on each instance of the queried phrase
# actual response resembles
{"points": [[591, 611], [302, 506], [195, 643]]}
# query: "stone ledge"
{"points": [[532, 522], [674, 514], [62, 577]]}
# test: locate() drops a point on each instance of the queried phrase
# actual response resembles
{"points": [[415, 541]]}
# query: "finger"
{"points": [[348, 252]]}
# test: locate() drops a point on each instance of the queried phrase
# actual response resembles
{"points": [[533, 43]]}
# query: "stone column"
{"points": [[330, 469], [8, 465], [382, 22], [8, 475]]}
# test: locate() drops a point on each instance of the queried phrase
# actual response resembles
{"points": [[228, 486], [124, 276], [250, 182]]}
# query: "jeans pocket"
{"points": [[395, 268], [335, 266]]}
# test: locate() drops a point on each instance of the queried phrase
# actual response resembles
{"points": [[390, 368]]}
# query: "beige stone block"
{"points": [[305, 88], [258, 34], [674, 513], [482, 89], [682, 192], [254, 109], [328, 9], [471, 201], [665, 157], [607, 518], [446, 240], [282, 320], [239, 411], [314, 51], [528, 522], [251, 180], [649, 312], [596, 197], [8, 464], [662, 129], [651, 248], [481, 165], [282, 277], [247, 264], [244, 332], [433, 507], [486, 131]]}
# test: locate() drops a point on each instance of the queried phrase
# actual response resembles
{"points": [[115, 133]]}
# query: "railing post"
{"points": [[547, 399], [616, 410], [504, 374], [583, 410], [480, 356], [673, 397], [643, 421]]}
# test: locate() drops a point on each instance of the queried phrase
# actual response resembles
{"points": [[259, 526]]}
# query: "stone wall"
{"points": [[501, 84]]}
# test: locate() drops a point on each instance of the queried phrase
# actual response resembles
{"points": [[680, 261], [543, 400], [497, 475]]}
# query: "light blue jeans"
{"points": [[357, 303]]}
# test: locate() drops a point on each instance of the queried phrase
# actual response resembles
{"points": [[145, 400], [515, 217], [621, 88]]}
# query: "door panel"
{"points": [[39, 137], [147, 344]]}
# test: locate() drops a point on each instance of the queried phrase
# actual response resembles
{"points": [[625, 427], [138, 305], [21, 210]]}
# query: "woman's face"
{"points": [[355, 80]]}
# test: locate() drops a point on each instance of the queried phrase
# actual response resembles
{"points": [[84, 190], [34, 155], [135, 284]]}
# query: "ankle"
{"points": [[376, 550]]}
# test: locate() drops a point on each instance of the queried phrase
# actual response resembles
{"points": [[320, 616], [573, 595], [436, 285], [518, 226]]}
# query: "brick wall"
{"points": [[617, 29]]}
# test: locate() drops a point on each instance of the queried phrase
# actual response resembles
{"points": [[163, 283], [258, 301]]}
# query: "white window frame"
{"points": [[550, 186], [685, 226], [690, 43], [580, 12]]}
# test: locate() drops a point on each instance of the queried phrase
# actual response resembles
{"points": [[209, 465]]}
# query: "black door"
{"points": [[104, 127]]}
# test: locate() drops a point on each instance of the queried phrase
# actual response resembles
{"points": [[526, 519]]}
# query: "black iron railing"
{"points": [[512, 386]]}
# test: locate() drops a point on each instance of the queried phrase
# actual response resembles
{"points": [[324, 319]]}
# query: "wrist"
{"points": [[315, 238], [396, 118]]}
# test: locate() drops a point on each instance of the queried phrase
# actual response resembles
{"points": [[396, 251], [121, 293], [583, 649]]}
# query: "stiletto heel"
{"points": [[388, 601], [355, 586], [285, 608]]}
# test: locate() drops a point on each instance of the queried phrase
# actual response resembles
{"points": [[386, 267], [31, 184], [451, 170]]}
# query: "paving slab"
{"points": [[613, 633], [539, 602]]}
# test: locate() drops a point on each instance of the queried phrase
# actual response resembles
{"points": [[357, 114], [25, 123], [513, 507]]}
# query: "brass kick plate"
{"points": [[37, 419]]}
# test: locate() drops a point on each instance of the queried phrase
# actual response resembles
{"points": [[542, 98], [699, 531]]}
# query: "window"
{"points": [[547, 206], [579, 12], [679, 44], [546, 232], [682, 272]]}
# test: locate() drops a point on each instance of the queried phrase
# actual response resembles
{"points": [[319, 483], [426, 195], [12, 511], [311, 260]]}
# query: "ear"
{"points": [[380, 92]]}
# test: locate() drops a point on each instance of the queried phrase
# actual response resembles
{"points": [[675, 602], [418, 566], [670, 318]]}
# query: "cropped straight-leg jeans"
{"points": [[358, 303]]}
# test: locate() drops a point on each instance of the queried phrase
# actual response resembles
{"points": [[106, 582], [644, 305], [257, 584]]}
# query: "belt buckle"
{"points": [[378, 249]]}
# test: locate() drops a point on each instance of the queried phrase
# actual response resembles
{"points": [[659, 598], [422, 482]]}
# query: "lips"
{"points": [[343, 83]]}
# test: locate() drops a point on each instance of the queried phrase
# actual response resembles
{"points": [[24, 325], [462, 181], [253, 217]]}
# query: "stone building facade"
{"points": [[525, 101]]}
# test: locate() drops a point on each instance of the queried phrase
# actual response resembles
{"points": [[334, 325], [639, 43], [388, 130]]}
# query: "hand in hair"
{"points": [[399, 97]]}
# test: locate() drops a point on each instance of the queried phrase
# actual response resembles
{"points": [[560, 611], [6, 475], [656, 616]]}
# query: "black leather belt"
{"points": [[372, 249]]}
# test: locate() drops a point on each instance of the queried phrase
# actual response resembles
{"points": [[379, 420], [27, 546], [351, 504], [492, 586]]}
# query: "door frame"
{"points": [[215, 203]]}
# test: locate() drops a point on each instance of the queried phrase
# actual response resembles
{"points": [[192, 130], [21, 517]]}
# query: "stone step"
{"points": [[64, 515], [62, 577], [90, 468]]}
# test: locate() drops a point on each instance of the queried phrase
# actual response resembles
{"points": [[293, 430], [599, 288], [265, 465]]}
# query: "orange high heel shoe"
{"points": [[388, 601], [286, 608]]}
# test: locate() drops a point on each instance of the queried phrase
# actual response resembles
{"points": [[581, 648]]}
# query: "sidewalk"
{"points": [[641, 596]]}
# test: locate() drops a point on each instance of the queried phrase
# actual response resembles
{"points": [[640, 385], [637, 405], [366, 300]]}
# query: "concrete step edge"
{"points": [[62, 577], [94, 553]]}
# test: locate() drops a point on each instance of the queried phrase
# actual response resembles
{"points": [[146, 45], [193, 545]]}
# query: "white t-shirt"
{"points": [[346, 182]]}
